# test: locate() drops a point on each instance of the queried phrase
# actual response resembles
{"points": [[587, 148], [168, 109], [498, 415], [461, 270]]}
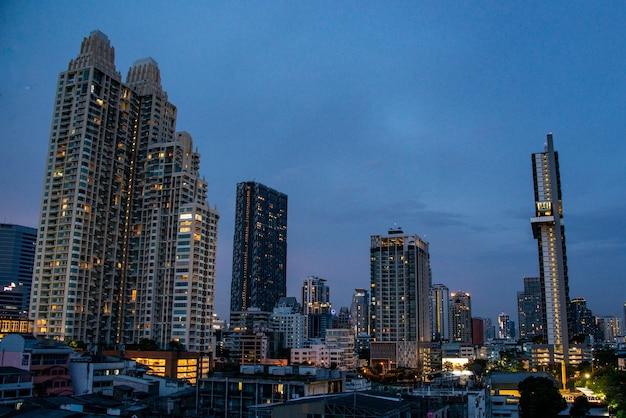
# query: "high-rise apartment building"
{"points": [[259, 277], [287, 322], [440, 302], [316, 307], [126, 241], [400, 300], [360, 311], [461, 317], [17, 255], [505, 331], [582, 319], [549, 231], [530, 309]]}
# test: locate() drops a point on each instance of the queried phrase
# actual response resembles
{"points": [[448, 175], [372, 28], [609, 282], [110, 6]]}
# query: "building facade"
{"points": [[17, 256], [400, 297], [316, 307], [440, 300], [549, 231], [461, 317], [529, 309], [126, 244], [259, 277]]}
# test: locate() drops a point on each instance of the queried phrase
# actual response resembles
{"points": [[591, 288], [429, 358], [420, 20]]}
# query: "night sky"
{"points": [[368, 115]]}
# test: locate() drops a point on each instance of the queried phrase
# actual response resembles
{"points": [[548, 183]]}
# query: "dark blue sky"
{"points": [[368, 115]]}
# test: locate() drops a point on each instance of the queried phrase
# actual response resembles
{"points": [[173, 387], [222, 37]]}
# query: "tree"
{"points": [[540, 398], [581, 407]]}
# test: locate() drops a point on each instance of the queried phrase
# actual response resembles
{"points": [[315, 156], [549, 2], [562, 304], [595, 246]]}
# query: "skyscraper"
{"points": [[126, 246], [17, 255], [548, 230], [359, 311], [440, 300], [316, 307], [461, 317], [259, 248], [530, 308], [400, 299], [582, 319]]}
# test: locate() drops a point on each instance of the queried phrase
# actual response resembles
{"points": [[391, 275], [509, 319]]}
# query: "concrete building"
{"points": [[549, 231], [47, 360], [440, 300], [400, 300], [530, 309], [126, 241], [17, 256], [183, 365], [505, 331], [316, 307], [233, 395], [342, 340], [582, 319], [461, 317], [503, 396], [95, 374], [287, 323], [259, 276], [360, 311]]}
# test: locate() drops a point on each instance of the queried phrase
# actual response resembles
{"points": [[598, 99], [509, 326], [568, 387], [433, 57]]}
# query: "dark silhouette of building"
{"points": [[17, 256], [259, 248], [529, 309]]}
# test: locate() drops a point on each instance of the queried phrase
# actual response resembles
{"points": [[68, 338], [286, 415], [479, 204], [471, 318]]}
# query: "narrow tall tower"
{"points": [[548, 230], [259, 248], [440, 302], [400, 300]]}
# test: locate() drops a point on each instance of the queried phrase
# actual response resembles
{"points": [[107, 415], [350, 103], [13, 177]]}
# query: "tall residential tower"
{"points": [[259, 248], [400, 300], [126, 239], [548, 230]]}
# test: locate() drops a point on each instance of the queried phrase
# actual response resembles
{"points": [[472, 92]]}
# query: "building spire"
{"points": [[95, 51]]}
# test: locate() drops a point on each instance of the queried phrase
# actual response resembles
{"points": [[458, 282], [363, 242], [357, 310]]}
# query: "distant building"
{"points": [[549, 231], [259, 275], [505, 327], [235, 395], [582, 319], [341, 340], [530, 309], [17, 257], [440, 299], [342, 318], [183, 365], [316, 307], [359, 311], [400, 300], [478, 331], [287, 322], [460, 317], [608, 328]]}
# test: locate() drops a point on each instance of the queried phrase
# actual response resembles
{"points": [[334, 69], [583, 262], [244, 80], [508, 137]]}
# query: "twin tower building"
{"points": [[126, 244]]}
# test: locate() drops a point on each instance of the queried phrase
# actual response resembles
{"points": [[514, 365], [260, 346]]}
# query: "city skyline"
{"points": [[420, 115]]}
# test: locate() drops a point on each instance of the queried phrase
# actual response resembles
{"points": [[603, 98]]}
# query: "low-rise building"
{"points": [[233, 394], [48, 360]]}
